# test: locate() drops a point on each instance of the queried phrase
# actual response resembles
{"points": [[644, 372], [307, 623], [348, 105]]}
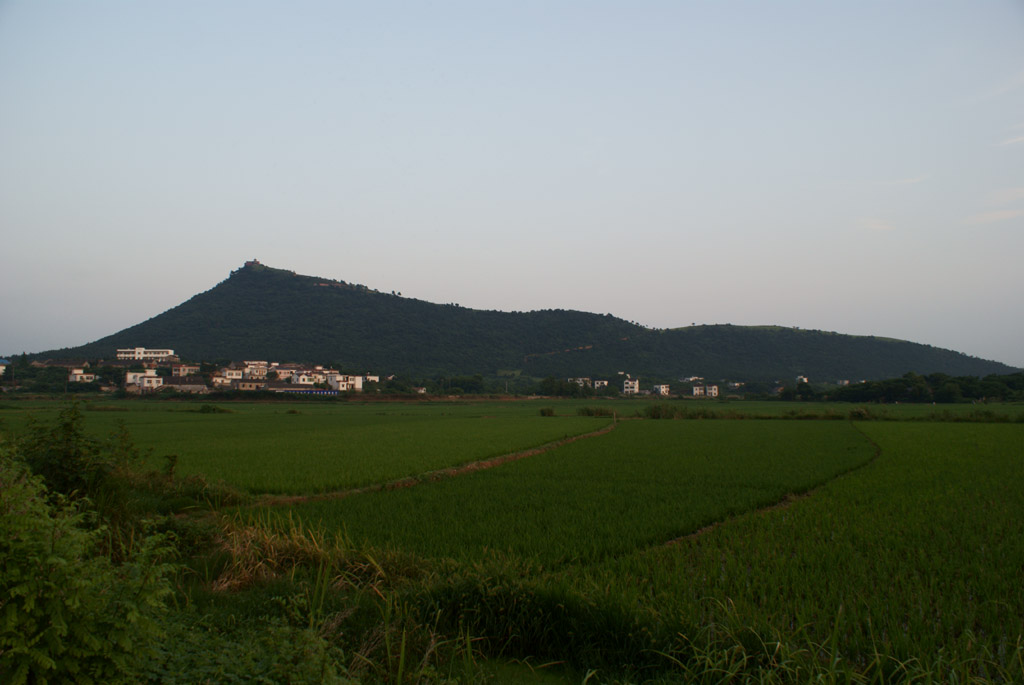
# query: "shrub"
{"points": [[69, 461], [77, 466], [212, 409], [860, 414], [547, 411], [661, 411], [595, 411], [68, 612]]}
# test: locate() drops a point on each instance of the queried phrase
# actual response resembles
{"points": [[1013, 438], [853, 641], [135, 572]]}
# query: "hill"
{"points": [[263, 313]]}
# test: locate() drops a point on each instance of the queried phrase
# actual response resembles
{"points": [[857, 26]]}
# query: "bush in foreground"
{"points": [[69, 613]]}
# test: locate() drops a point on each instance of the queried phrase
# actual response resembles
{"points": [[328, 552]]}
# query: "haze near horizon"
{"points": [[853, 168]]}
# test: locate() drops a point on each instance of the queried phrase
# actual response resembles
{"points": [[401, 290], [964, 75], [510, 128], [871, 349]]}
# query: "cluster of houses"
{"points": [[244, 376], [631, 386], [296, 378], [261, 375]]}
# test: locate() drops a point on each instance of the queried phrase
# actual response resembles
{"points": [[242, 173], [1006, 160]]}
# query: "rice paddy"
{"points": [[881, 545], [643, 484]]}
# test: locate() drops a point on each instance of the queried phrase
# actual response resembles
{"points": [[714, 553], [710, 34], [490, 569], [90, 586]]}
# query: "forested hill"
{"points": [[769, 353], [265, 313]]}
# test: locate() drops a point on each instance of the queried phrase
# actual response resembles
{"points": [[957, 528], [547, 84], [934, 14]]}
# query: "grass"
{"points": [[325, 447], [644, 483], [900, 567], [914, 559]]}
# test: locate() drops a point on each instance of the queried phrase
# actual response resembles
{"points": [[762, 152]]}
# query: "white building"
{"points": [[182, 370], [705, 391], [630, 386], [219, 381], [257, 370], [80, 376], [232, 374], [144, 354], [600, 384], [345, 383], [143, 380], [662, 390]]}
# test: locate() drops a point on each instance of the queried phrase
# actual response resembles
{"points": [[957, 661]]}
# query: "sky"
{"points": [[845, 166]]}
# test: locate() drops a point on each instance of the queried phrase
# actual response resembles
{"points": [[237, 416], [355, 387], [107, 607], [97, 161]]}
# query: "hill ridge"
{"points": [[263, 312]]}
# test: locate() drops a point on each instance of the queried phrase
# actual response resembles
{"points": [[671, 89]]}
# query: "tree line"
{"points": [[911, 387]]}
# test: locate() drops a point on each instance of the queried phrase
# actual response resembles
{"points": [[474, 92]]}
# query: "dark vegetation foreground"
{"points": [[744, 550]]}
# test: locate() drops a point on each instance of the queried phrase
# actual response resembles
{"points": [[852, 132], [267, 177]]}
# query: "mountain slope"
{"points": [[265, 313], [770, 353]]}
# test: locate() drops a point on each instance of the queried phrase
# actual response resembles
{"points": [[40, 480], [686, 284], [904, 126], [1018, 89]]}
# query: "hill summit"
{"points": [[260, 312]]}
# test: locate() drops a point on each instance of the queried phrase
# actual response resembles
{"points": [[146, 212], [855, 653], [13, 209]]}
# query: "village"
{"points": [[246, 376], [631, 386], [153, 370]]}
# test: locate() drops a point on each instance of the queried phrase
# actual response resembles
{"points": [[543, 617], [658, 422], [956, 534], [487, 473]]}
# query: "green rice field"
{"points": [[643, 484], [918, 555], [737, 542], [281, 448]]}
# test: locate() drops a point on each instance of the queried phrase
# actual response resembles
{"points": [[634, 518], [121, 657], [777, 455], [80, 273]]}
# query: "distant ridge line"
{"points": [[260, 312]]}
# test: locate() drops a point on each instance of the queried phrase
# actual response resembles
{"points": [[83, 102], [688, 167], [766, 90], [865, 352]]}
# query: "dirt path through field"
{"points": [[790, 497], [430, 476]]}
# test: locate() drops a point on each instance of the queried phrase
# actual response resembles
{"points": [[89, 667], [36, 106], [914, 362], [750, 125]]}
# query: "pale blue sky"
{"points": [[847, 166]]}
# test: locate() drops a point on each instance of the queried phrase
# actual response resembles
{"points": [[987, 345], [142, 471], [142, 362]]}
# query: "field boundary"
{"points": [[429, 476], [790, 497]]}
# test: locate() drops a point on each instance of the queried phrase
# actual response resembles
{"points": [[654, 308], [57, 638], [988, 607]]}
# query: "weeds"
{"points": [[213, 409], [273, 599], [596, 411]]}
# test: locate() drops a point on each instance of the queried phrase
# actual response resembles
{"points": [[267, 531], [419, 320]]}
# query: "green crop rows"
{"points": [[918, 556], [758, 549], [645, 483], [268, 449]]}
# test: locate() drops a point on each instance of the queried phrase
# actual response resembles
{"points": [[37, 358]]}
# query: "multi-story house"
{"points": [[182, 370], [255, 369], [143, 380], [80, 376], [146, 355]]}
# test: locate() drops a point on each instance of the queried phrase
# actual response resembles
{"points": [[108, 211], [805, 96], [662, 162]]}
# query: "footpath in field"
{"points": [[429, 476], [642, 484], [301, 450], [786, 501], [916, 557]]}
